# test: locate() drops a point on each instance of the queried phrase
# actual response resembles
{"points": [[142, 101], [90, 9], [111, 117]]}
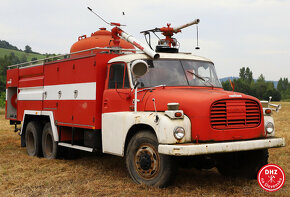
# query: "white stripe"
{"points": [[31, 93], [75, 91]]}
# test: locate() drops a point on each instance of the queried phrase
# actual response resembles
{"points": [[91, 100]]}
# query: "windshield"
{"points": [[179, 73]]}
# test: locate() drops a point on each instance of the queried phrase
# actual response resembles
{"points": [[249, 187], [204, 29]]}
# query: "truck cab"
{"points": [[180, 102]]}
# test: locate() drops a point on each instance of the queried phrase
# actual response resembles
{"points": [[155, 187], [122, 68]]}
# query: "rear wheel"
{"points": [[243, 164], [145, 164], [33, 134], [49, 146]]}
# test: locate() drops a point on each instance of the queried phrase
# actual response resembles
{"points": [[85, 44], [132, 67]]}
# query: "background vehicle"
{"points": [[160, 109]]}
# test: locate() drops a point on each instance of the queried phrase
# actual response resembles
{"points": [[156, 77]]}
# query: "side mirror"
{"points": [[139, 68]]}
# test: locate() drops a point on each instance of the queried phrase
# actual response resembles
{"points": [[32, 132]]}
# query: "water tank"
{"points": [[101, 38]]}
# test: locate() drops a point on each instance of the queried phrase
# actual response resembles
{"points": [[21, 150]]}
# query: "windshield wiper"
{"points": [[152, 88], [201, 78]]}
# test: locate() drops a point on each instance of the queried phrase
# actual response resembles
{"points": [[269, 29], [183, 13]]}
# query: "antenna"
{"points": [[99, 16], [111, 23]]}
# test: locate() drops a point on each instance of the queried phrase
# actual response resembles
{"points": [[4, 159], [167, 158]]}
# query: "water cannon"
{"points": [[169, 44], [178, 29]]}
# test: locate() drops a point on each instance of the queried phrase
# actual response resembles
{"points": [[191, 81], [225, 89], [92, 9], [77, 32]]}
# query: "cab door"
{"points": [[117, 95]]}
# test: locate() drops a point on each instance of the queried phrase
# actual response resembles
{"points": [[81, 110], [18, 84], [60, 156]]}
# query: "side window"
{"points": [[118, 77]]}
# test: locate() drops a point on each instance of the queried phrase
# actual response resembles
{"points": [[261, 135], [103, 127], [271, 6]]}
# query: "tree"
{"points": [[11, 59], [27, 49], [261, 79], [242, 73], [226, 85], [282, 84], [284, 88], [248, 75], [276, 96], [6, 45]]}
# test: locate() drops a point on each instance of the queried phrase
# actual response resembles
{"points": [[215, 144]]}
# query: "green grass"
{"points": [[29, 56], [286, 100]]}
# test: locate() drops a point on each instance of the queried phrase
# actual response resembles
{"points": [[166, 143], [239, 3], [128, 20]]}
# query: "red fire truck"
{"points": [[158, 109]]}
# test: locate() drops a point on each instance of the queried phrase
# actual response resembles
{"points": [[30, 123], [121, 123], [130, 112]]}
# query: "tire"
{"points": [[145, 164], [49, 146], [243, 164], [33, 134]]}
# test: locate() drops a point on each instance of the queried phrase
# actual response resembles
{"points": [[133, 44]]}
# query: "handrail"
{"points": [[67, 56]]}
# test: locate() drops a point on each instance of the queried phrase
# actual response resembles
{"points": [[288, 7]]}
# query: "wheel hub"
{"points": [[147, 161]]}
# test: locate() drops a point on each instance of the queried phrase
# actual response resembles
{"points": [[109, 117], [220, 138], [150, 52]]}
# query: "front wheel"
{"points": [[145, 164]]}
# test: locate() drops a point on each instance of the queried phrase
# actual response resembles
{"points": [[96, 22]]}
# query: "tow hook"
{"points": [[16, 129]]}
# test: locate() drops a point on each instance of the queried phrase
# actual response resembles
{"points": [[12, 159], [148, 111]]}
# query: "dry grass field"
{"points": [[106, 175]]}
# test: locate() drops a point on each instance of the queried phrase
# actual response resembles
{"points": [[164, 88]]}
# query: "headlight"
{"points": [[269, 127], [179, 133]]}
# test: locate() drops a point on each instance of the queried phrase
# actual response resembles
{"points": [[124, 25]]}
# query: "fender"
{"points": [[116, 125], [41, 113]]}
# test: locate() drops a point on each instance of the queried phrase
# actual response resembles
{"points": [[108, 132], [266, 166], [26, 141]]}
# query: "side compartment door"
{"points": [[30, 89], [84, 92]]}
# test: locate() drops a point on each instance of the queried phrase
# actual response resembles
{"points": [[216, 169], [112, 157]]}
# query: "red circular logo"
{"points": [[271, 177]]}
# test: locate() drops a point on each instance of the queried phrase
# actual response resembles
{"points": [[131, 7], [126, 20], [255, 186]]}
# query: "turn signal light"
{"points": [[178, 114], [268, 111]]}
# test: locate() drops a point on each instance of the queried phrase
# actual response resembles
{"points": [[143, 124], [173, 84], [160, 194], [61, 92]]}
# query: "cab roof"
{"points": [[131, 57]]}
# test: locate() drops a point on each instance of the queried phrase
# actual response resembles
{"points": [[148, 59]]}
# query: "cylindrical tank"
{"points": [[101, 38]]}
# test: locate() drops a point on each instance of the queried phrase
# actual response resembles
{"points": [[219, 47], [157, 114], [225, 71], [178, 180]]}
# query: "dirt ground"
{"points": [[106, 175]]}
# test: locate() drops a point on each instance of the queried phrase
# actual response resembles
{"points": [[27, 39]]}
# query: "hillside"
{"points": [[19, 54]]}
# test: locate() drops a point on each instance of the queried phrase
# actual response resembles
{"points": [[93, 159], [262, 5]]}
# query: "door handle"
{"points": [[75, 93], [106, 103]]}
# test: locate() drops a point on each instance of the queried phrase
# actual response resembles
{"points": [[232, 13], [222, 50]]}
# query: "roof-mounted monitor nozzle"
{"points": [[169, 44], [177, 29]]}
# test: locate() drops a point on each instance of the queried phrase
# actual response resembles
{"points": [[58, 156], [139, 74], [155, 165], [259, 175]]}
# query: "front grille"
{"points": [[236, 113]]}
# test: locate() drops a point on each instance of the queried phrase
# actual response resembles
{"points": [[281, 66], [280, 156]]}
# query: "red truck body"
{"points": [[85, 112]]}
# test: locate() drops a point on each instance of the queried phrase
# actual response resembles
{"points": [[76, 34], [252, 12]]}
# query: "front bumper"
{"points": [[219, 147]]}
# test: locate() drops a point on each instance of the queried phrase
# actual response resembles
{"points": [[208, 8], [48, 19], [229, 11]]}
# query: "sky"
{"points": [[232, 33]]}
